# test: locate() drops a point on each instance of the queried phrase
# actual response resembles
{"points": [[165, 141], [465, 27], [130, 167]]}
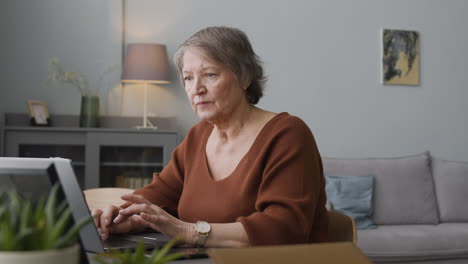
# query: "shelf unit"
{"points": [[101, 157]]}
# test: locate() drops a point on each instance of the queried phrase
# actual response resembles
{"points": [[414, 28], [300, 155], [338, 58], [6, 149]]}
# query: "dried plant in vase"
{"points": [[57, 75], [89, 113]]}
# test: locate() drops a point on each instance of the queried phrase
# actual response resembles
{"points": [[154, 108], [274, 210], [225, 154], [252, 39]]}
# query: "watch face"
{"points": [[202, 227]]}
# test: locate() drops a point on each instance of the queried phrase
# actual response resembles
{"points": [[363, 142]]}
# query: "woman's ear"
{"points": [[245, 86]]}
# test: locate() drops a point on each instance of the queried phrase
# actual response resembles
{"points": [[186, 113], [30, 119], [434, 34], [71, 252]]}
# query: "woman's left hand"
{"points": [[154, 217]]}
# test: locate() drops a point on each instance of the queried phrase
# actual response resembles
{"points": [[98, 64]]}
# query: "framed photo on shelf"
{"points": [[38, 113]]}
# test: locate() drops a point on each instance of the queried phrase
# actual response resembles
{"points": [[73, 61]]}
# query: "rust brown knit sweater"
{"points": [[277, 191]]}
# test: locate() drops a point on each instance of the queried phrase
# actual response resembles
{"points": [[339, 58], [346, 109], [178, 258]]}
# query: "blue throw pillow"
{"points": [[352, 195]]}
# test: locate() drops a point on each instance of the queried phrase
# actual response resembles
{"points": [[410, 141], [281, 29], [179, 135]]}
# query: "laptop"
{"points": [[34, 177]]}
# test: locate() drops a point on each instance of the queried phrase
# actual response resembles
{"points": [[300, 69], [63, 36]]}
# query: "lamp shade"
{"points": [[146, 63]]}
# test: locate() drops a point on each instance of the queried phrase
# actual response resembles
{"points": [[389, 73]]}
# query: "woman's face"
{"points": [[213, 89]]}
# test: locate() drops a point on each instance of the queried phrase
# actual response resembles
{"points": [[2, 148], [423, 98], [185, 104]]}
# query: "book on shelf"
{"points": [[131, 182]]}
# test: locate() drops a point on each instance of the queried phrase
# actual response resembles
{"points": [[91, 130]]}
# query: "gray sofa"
{"points": [[420, 207]]}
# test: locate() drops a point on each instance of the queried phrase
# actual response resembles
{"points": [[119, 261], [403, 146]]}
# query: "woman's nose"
{"points": [[199, 86]]}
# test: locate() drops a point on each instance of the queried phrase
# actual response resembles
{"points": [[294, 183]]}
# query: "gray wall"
{"points": [[323, 61], [3, 49], [86, 35], [322, 57]]}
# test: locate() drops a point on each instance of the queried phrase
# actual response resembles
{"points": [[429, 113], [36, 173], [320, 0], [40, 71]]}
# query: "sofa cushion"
{"points": [[403, 187], [352, 195], [389, 243], [451, 185]]}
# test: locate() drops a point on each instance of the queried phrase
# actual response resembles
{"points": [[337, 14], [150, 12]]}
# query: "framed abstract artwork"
{"points": [[400, 52]]}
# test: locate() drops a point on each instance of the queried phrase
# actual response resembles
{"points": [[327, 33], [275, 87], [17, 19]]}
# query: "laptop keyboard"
{"points": [[121, 242]]}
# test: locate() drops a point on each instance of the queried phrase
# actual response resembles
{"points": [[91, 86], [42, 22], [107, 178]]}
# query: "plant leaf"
{"points": [[139, 255], [25, 217], [58, 229], [61, 208], [169, 258], [71, 235], [51, 205], [9, 240], [163, 251]]}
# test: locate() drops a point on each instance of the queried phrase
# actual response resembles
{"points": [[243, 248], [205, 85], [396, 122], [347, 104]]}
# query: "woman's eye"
{"points": [[187, 78], [210, 75]]}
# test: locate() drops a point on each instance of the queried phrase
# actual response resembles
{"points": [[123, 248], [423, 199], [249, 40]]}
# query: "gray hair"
{"points": [[230, 47]]}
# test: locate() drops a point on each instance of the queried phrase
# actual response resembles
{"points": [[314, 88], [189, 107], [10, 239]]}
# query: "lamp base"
{"points": [[146, 127]]}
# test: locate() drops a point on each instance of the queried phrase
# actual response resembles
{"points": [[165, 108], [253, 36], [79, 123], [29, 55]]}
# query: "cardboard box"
{"points": [[323, 253]]}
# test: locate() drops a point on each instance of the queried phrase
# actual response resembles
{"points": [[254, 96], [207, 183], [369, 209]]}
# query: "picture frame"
{"points": [[38, 113], [400, 57]]}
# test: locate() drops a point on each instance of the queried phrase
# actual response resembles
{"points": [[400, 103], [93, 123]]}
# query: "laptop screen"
{"points": [[34, 177]]}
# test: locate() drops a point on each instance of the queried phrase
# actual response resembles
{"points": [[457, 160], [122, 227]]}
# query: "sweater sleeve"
{"points": [[166, 188], [290, 189]]}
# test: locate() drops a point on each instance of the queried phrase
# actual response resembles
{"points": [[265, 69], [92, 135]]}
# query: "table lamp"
{"points": [[146, 63]]}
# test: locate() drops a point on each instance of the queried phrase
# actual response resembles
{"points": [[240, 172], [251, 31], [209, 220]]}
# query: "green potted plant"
{"points": [[139, 256], [38, 232]]}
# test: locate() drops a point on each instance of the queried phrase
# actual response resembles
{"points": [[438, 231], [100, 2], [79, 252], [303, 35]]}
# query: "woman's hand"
{"points": [[152, 216], [104, 221]]}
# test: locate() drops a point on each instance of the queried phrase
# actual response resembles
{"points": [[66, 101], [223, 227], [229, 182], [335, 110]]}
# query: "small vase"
{"points": [[89, 115]]}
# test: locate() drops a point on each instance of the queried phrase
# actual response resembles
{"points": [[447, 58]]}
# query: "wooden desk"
{"points": [[323, 253], [193, 261]]}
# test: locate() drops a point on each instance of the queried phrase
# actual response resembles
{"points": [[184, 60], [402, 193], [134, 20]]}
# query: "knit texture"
{"points": [[277, 191]]}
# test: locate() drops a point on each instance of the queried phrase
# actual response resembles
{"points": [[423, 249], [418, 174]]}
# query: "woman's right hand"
{"points": [[104, 221]]}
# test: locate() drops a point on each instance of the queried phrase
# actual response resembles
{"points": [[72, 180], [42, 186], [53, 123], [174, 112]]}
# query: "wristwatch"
{"points": [[203, 229]]}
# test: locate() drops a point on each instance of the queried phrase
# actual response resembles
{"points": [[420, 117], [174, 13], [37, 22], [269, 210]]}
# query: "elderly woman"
{"points": [[243, 175]]}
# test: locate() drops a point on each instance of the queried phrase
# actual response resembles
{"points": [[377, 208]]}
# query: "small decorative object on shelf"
{"points": [[38, 113], [89, 115]]}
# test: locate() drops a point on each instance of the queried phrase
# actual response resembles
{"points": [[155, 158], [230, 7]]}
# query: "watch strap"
{"points": [[203, 230], [201, 239]]}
